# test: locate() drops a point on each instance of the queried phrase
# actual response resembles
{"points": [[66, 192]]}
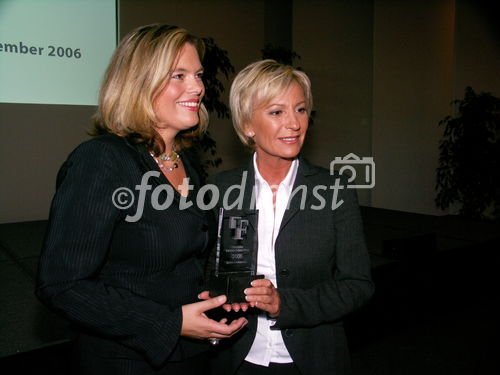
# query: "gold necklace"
{"points": [[173, 156]]}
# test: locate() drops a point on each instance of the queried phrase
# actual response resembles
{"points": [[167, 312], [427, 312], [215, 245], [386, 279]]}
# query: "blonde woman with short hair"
{"points": [[310, 249]]}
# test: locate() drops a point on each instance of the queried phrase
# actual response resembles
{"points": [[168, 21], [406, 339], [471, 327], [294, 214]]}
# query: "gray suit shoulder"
{"points": [[227, 175], [323, 174], [103, 146]]}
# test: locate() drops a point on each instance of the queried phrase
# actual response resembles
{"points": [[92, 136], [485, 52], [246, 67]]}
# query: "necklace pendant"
{"points": [[173, 157]]}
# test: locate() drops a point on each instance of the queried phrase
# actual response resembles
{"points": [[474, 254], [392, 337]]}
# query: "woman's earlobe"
{"points": [[248, 130]]}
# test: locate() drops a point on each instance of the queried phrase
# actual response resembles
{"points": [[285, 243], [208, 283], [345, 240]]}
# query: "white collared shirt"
{"points": [[268, 345]]}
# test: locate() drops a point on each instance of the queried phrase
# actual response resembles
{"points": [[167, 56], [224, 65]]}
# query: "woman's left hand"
{"points": [[264, 296], [228, 307]]}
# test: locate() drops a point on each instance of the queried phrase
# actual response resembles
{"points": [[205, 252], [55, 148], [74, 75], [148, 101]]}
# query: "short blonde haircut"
{"points": [[256, 85], [137, 72]]}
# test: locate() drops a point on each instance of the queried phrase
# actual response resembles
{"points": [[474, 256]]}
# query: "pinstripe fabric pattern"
{"points": [[122, 283]]}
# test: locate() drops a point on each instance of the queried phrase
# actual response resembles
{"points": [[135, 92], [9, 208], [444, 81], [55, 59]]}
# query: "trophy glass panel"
{"points": [[236, 256]]}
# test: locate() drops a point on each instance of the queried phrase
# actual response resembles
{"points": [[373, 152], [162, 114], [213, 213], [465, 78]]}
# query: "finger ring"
{"points": [[213, 341]]}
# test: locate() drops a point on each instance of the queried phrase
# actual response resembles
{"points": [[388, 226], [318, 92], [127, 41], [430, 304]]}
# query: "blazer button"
{"points": [[288, 332], [284, 272]]}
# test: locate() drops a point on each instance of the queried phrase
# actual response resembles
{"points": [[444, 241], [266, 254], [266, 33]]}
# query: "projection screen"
{"points": [[55, 51]]}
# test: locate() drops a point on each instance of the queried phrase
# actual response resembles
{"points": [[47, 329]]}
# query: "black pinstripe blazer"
{"points": [[323, 272], [122, 283]]}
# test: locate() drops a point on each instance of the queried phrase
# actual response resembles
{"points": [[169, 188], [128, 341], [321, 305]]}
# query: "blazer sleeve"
{"points": [[350, 285], [75, 249]]}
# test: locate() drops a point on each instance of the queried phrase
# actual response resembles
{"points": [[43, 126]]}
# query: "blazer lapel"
{"points": [[243, 177], [249, 198], [302, 190]]}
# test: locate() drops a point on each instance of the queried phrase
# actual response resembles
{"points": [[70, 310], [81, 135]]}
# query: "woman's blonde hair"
{"points": [[137, 72], [256, 85]]}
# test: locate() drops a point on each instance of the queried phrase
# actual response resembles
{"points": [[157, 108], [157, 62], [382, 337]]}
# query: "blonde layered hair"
{"points": [[139, 69], [256, 85]]}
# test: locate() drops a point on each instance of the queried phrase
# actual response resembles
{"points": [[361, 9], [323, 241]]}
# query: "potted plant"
{"points": [[469, 157], [215, 62]]}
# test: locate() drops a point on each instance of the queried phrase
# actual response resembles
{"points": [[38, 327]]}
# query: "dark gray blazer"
{"points": [[121, 283], [323, 272]]}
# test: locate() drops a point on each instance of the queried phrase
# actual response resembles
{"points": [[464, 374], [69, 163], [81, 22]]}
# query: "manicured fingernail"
{"points": [[245, 291], [221, 299], [251, 283]]}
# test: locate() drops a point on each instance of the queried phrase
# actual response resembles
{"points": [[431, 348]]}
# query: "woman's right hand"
{"points": [[197, 325]]}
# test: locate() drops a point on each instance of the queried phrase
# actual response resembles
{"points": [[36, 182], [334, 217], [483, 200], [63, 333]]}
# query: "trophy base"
{"points": [[232, 286]]}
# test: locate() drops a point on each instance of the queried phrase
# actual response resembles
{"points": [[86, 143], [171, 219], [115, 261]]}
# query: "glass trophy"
{"points": [[235, 264]]}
